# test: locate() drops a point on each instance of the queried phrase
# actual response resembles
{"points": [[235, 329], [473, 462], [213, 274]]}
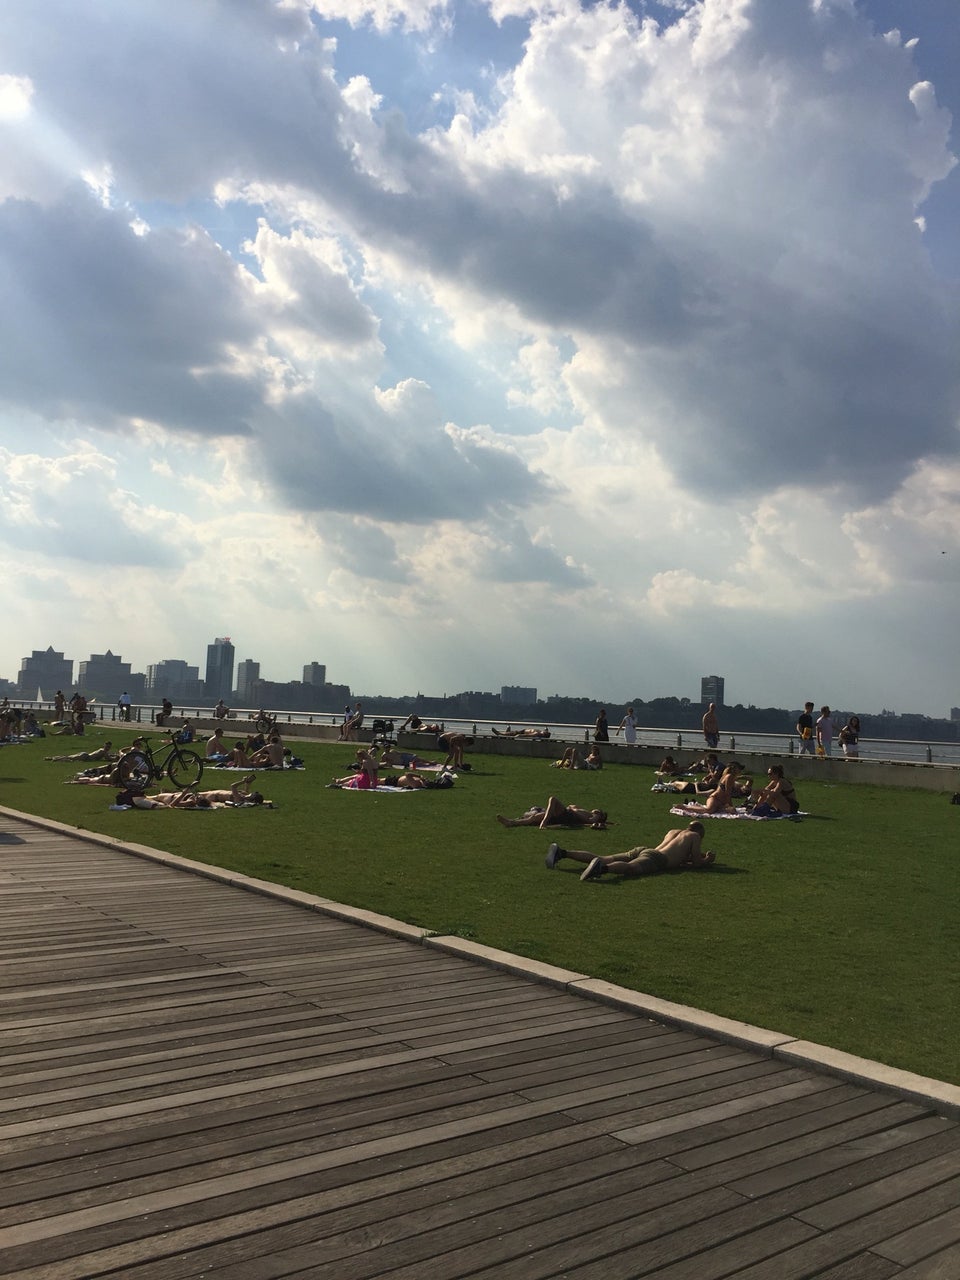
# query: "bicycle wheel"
{"points": [[184, 768], [134, 773]]}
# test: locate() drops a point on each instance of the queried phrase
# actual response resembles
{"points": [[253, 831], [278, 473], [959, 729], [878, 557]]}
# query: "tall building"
{"points": [[219, 681], [106, 676], [315, 673], [711, 690], [174, 679], [44, 670], [247, 672]]}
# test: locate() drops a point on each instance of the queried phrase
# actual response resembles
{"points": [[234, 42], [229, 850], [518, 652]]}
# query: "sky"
{"points": [[457, 344]]}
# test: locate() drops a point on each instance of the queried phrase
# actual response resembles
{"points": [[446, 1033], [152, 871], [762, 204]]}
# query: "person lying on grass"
{"points": [[677, 851], [405, 759], [102, 753], [557, 814], [236, 796]]}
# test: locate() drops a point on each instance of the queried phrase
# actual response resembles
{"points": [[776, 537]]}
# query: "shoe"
{"points": [[593, 870], [554, 854]]}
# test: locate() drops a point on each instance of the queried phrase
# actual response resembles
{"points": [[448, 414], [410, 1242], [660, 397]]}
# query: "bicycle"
{"points": [[141, 767], [265, 723]]}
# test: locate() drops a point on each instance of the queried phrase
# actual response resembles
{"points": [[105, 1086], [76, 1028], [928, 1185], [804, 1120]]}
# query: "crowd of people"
{"points": [[716, 788]]}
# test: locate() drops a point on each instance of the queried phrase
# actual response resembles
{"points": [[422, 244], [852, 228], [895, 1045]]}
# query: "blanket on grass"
{"points": [[690, 811]]}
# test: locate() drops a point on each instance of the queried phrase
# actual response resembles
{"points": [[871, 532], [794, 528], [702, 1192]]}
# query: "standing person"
{"points": [[825, 728], [629, 726], [805, 729], [850, 738], [59, 704], [601, 730], [711, 727]]}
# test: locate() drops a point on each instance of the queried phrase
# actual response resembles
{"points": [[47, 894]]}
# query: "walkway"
{"points": [[201, 1081]]}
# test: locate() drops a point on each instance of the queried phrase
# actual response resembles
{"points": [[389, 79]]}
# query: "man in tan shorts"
{"points": [[677, 850]]}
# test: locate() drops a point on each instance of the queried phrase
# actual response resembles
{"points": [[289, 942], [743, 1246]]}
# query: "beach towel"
{"points": [[688, 811]]}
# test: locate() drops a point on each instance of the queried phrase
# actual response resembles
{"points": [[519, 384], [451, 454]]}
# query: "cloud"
{"points": [[71, 508], [391, 458], [108, 325]]}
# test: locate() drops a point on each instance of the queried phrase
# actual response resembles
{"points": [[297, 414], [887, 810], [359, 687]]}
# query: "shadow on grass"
{"points": [[12, 779], [718, 869]]}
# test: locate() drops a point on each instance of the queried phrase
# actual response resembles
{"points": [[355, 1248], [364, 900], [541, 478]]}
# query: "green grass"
{"points": [[840, 929]]}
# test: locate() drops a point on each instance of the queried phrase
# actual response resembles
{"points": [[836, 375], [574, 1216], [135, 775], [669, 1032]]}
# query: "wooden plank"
{"points": [[201, 1081]]}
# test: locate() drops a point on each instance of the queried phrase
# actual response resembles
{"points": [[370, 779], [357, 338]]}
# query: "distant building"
{"points": [[248, 672], [106, 676], [47, 671], [955, 713], [711, 690], [315, 673], [295, 695], [516, 695], [174, 679], [219, 681]]}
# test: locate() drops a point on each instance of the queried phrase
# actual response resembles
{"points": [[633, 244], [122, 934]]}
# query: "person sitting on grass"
{"points": [[237, 758], [777, 797], [669, 769], [216, 748], [270, 756], [678, 850], [557, 814], [365, 777], [726, 794], [102, 753]]}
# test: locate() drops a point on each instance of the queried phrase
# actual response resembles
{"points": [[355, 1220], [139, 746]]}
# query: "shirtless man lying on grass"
{"points": [[557, 814], [677, 850], [237, 795], [102, 753]]}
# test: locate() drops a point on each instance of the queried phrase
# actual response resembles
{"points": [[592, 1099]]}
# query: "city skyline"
{"points": [[704, 688], [576, 346]]}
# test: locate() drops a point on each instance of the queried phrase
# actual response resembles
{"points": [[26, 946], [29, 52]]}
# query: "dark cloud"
{"points": [[101, 323], [370, 464]]}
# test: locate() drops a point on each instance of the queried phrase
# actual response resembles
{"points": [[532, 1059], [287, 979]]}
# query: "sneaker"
{"points": [[554, 854], [593, 870]]}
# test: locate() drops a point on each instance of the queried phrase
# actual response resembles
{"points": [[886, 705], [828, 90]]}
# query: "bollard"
{"points": [[929, 756], [790, 747], [474, 730], [679, 740], [733, 744]]}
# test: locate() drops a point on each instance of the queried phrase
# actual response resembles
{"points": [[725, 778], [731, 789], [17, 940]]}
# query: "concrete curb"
{"points": [[938, 1095]]}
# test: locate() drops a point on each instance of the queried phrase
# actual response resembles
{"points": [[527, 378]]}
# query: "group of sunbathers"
{"points": [[373, 770]]}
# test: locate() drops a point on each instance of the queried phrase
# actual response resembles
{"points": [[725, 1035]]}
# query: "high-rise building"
{"points": [[107, 676], [174, 679], [315, 673], [517, 695], [711, 690], [247, 672], [47, 671], [219, 681]]}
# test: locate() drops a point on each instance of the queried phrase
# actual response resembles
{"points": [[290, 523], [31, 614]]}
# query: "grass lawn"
{"points": [[841, 929]]}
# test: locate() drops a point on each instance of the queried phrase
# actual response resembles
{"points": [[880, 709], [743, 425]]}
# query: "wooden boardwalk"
{"points": [[199, 1081]]}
